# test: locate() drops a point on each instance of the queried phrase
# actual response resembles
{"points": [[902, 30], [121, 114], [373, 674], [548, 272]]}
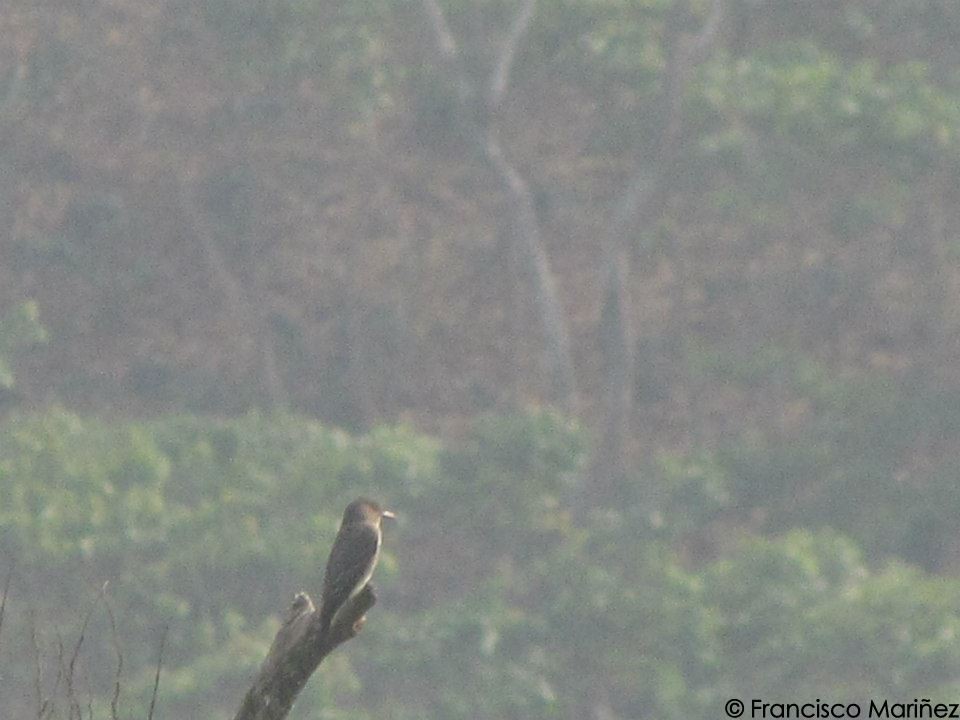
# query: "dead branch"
{"points": [[115, 641], [156, 678], [297, 650], [6, 594], [249, 319], [37, 666]]}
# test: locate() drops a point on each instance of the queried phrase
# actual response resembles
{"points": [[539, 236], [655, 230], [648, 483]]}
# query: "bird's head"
{"points": [[362, 510]]}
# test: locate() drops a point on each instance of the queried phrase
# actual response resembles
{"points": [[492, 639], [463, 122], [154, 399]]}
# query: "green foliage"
{"points": [[694, 492], [495, 601], [821, 106], [849, 460], [796, 612], [820, 139], [197, 525], [340, 45]]}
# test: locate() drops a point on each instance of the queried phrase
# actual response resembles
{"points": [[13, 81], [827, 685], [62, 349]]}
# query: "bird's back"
{"points": [[351, 563]]}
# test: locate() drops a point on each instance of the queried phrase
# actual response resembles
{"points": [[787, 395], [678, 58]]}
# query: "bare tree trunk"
{"points": [[477, 109], [357, 378], [250, 321], [639, 205], [297, 650], [533, 264]]}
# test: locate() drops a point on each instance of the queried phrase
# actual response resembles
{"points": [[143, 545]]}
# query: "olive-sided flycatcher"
{"points": [[352, 558]]}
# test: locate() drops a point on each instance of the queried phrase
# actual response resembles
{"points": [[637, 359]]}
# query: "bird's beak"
{"points": [[388, 514]]}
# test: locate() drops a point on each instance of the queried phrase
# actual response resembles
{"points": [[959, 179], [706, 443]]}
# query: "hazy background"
{"points": [[642, 314]]}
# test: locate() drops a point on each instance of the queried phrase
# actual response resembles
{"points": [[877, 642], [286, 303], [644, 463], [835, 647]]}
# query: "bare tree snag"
{"points": [[297, 650], [250, 321], [639, 205], [477, 111]]}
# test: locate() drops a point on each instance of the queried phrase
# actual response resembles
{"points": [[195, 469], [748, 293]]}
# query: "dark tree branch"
{"points": [[37, 666], [71, 669], [297, 650], [6, 594], [156, 678], [61, 673], [115, 641]]}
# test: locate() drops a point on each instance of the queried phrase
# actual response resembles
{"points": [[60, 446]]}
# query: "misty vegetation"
{"points": [[641, 314]]}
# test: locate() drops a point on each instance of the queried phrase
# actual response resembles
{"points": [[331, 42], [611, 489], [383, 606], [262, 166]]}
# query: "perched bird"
{"points": [[352, 558]]}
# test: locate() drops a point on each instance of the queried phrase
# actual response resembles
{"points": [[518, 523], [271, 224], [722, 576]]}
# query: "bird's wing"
{"points": [[351, 562]]}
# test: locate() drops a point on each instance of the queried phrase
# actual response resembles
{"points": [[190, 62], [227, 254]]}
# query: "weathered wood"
{"points": [[297, 650]]}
